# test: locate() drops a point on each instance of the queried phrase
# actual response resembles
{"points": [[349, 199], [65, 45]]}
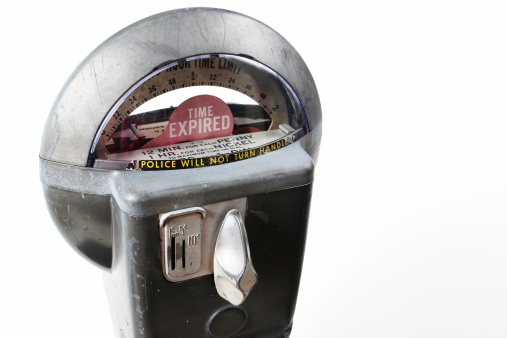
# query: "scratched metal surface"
{"points": [[127, 56]]}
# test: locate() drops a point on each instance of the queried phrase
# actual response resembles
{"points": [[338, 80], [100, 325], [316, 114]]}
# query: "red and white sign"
{"points": [[198, 118]]}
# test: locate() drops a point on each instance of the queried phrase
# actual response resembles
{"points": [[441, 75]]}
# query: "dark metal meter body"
{"points": [[179, 157]]}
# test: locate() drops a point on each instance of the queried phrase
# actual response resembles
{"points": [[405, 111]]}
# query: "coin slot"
{"points": [[173, 252], [183, 254], [181, 243]]}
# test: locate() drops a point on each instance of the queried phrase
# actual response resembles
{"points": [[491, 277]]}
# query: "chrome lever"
{"points": [[233, 270]]}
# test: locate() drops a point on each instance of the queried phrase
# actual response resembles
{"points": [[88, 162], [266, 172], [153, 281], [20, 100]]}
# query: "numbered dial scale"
{"points": [[199, 111]]}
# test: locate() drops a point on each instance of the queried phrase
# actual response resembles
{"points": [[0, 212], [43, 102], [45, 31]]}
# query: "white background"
{"points": [[408, 232]]}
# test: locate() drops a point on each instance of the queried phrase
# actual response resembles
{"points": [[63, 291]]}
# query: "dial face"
{"points": [[198, 111]]}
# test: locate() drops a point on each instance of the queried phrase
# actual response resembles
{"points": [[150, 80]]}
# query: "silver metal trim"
{"points": [[164, 217], [181, 241]]}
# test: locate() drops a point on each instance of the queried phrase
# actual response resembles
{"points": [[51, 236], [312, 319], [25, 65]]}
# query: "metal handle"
{"points": [[234, 273]]}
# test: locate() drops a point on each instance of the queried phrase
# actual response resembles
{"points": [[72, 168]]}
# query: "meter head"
{"points": [[126, 95]]}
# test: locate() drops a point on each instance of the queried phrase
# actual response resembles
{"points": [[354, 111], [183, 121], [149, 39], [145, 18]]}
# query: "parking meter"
{"points": [[179, 157]]}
